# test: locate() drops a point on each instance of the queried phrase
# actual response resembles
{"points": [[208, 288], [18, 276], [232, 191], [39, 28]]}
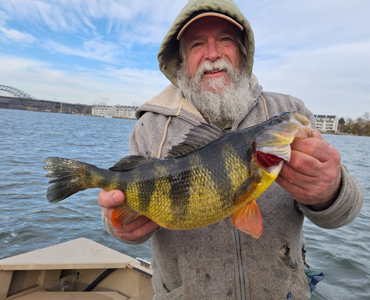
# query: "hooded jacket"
{"points": [[168, 57], [218, 262]]}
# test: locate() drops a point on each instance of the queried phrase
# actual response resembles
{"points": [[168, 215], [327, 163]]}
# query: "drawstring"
{"points": [[166, 128], [164, 137], [265, 106], [180, 107]]}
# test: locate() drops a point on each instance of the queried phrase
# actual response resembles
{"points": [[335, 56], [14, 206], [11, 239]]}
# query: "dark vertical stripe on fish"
{"points": [[146, 187], [221, 180], [180, 188], [243, 148]]}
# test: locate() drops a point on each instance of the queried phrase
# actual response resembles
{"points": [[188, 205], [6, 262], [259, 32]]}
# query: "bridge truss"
{"points": [[15, 92]]}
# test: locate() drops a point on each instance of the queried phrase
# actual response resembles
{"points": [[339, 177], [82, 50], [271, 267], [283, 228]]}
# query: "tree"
{"points": [[359, 127], [355, 128], [341, 123], [349, 120], [366, 129], [360, 120], [366, 116]]}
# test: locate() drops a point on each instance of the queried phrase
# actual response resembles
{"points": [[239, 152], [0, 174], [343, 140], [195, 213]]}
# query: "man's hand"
{"points": [[133, 231], [313, 174]]}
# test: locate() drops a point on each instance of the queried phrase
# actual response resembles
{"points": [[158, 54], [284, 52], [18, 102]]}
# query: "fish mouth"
{"points": [[269, 162], [273, 146]]}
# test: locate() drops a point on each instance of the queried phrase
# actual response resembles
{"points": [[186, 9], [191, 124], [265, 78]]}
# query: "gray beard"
{"points": [[224, 103]]}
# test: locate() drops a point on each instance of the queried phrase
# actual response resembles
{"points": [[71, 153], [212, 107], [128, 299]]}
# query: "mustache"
{"points": [[215, 66]]}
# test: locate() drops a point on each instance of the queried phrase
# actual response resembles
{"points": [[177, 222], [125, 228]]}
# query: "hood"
{"points": [[168, 57]]}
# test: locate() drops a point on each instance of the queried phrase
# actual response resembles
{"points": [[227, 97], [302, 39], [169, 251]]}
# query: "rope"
{"points": [[164, 137], [166, 128], [265, 106], [180, 107]]}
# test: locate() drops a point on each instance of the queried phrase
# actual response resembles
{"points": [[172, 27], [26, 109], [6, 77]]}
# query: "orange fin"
{"points": [[123, 215], [248, 219]]}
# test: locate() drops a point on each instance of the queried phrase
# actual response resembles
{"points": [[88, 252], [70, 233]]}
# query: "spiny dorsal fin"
{"points": [[129, 162], [197, 138]]}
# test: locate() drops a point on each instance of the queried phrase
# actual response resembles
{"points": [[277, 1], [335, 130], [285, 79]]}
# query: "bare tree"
{"points": [[366, 116], [360, 120]]}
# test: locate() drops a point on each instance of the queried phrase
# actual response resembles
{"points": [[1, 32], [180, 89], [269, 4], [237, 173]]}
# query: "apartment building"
{"points": [[100, 110], [325, 123], [117, 111]]}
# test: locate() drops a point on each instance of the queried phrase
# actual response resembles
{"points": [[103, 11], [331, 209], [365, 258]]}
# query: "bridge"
{"points": [[23, 101], [15, 92]]}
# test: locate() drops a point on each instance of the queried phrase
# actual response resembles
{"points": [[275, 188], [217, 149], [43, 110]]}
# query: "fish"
{"points": [[208, 177]]}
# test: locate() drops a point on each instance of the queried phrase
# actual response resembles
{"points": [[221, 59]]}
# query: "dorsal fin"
{"points": [[197, 138], [129, 162]]}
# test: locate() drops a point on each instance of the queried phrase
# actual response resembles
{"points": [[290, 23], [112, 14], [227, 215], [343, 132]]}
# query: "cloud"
{"points": [[16, 36], [290, 22], [43, 81], [83, 15], [51, 14], [96, 49], [94, 29], [10, 34], [331, 80], [316, 50], [139, 82]]}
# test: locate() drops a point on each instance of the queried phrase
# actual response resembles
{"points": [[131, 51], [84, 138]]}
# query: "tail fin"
{"points": [[69, 177]]}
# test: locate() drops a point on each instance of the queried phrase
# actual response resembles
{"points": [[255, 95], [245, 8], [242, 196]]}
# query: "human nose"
{"points": [[213, 52]]}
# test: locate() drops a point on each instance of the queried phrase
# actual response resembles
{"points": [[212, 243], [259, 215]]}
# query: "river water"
{"points": [[29, 222]]}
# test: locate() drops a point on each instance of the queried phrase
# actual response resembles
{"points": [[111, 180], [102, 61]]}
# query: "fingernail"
{"points": [[116, 199]]}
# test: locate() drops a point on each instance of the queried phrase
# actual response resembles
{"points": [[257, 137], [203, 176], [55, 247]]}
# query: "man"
{"points": [[208, 57]]}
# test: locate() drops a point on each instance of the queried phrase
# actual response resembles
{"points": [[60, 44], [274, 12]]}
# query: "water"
{"points": [[29, 222], [343, 254]]}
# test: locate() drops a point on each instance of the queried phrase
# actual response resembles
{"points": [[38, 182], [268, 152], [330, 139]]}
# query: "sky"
{"points": [[94, 51]]}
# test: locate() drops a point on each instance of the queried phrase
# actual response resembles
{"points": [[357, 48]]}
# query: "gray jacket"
{"points": [[218, 261]]}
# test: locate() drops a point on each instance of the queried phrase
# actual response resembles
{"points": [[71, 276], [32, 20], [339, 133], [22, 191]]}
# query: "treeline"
{"points": [[361, 126]]}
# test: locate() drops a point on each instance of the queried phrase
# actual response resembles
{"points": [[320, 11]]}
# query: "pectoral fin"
{"points": [[123, 215], [248, 219]]}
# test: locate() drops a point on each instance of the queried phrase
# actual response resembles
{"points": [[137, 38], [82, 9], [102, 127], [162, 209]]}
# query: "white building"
{"points": [[127, 112], [100, 110], [326, 123], [117, 111]]}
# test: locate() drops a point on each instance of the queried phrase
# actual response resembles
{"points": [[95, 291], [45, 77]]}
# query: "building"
{"points": [[100, 110], [117, 111], [325, 123], [127, 112]]}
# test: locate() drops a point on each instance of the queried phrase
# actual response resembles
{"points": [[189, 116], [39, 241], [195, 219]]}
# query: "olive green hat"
{"points": [[168, 56]]}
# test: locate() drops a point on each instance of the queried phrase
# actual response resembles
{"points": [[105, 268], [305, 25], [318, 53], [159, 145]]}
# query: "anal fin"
{"points": [[123, 215], [248, 219]]}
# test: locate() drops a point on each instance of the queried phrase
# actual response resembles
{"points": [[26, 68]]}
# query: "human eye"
{"points": [[196, 44], [226, 39]]}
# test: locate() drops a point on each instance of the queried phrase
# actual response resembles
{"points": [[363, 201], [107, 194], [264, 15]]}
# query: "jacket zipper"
{"points": [[240, 265]]}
